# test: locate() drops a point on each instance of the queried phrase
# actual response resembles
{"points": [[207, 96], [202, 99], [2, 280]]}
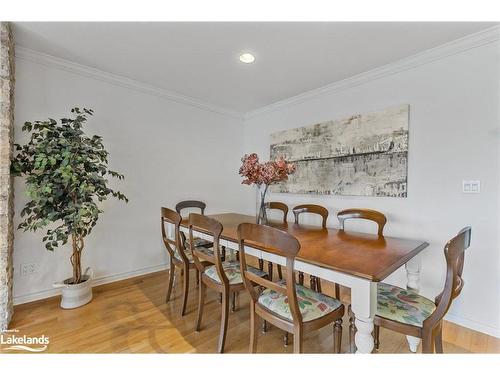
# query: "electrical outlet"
{"points": [[28, 269]]}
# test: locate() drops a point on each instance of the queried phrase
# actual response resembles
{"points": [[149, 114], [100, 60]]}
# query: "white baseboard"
{"points": [[97, 281], [464, 322], [472, 324]]}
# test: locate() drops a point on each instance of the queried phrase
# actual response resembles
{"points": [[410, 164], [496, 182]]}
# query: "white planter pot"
{"points": [[76, 295]]}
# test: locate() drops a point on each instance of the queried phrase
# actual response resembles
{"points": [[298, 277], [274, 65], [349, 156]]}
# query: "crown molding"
{"points": [[457, 46], [28, 54]]}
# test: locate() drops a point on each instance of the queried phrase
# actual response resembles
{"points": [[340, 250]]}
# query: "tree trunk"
{"points": [[76, 258]]}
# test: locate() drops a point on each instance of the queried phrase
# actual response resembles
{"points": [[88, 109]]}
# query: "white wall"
{"points": [[454, 135], [168, 152]]}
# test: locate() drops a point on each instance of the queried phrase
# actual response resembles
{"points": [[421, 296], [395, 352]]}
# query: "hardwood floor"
{"points": [[131, 316]]}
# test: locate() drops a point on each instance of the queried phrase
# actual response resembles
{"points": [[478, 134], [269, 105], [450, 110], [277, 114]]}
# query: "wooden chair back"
{"points": [[363, 213], [313, 209], [274, 241], [191, 204], [454, 252], [171, 217], [278, 206], [213, 228]]}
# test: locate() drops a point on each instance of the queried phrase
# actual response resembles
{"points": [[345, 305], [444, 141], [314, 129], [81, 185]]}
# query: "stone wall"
{"points": [[6, 186]]}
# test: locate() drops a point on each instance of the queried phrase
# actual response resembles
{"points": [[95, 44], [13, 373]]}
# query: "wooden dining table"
{"points": [[352, 259]]}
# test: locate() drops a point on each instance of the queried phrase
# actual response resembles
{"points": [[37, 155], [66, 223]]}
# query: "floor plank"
{"points": [[131, 316]]}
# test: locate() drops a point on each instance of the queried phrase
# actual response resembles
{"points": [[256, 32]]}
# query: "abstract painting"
{"points": [[364, 154]]}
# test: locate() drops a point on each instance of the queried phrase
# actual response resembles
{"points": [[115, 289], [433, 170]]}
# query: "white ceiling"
{"points": [[200, 60]]}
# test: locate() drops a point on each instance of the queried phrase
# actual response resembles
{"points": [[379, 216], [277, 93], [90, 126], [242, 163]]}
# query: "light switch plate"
{"points": [[471, 186]]}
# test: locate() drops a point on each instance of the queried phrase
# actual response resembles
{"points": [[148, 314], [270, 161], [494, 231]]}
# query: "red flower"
{"points": [[264, 173]]}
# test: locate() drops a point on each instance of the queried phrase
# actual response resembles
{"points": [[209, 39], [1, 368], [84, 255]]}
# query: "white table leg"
{"points": [[363, 293], [413, 283], [364, 306], [413, 343], [413, 273]]}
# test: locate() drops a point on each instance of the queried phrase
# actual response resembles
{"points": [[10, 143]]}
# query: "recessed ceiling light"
{"points": [[247, 58]]}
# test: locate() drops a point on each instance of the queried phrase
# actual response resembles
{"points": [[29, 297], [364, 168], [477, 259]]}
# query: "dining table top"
{"points": [[364, 255]]}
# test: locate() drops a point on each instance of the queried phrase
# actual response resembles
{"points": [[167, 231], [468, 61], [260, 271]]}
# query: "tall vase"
{"points": [[261, 214]]}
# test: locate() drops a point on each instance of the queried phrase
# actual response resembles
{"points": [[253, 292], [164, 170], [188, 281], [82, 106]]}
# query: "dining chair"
{"points": [[278, 206], [179, 256], [193, 204], [318, 210], [289, 306], [365, 214], [223, 277], [284, 209], [406, 312]]}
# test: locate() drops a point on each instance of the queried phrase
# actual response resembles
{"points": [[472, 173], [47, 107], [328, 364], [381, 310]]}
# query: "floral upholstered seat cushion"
{"points": [[189, 255], [206, 250], [187, 252], [198, 242], [233, 273], [403, 305], [312, 305]]}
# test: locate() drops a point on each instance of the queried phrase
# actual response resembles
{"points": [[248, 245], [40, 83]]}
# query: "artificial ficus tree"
{"points": [[66, 175]]}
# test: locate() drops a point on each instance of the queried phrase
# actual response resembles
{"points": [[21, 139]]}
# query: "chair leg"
{"points": [[261, 264], [352, 334], [270, 270], [301, 278], [233, 302], [337, 336], [254, 328], [439, 339], [201, 304], [185, 290], [312, 282], [223, 321], [171, 273], [223, 253], [318, 284], [337, 291], [280, 274], [376, 336], [427, 343], [264, 326], [297, 341]]}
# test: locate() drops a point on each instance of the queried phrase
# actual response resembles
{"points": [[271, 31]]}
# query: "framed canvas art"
{"points": [[364, 154]]}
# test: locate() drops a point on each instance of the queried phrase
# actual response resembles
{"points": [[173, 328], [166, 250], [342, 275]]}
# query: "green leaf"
{"points": [[63, 170]]}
